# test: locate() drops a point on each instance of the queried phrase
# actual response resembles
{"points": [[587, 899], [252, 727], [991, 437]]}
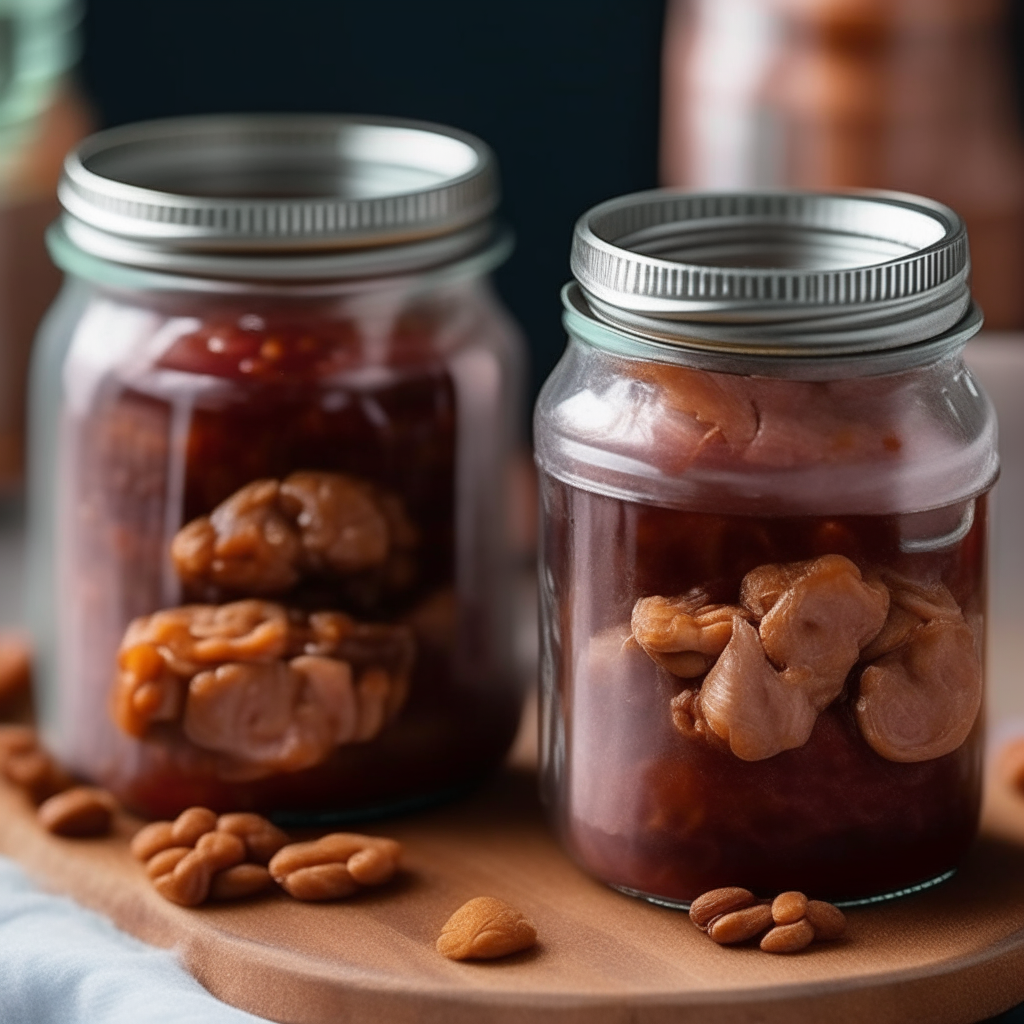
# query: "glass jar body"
{"points": [[388, 412], [714, 711]]}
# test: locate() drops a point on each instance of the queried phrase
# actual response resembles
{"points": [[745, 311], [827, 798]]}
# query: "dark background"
{"points": [[565, 91]]}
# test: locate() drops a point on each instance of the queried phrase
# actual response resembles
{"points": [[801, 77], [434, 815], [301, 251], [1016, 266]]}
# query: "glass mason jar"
{"points": [[273, 413], [764, 474]]}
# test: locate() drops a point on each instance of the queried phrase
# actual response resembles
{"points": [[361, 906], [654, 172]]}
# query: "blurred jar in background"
{"points": [[41, 117], [902, 94]]}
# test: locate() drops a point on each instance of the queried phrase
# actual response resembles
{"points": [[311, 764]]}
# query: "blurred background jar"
{"points": [[914, 95], [274, 415], [41, 117]]}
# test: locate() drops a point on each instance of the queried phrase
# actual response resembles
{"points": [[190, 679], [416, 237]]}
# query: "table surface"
{"points": [[943, 956]]}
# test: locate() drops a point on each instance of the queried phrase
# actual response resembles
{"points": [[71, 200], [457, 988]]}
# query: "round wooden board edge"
{"points": [[284, 987]]}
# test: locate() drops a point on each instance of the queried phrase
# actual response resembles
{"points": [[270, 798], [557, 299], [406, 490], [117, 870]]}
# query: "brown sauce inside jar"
{"points": [[246, 398], [644, 806]]}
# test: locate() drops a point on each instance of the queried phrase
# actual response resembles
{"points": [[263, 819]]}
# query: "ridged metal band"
{"points": [[786, 271], [759, 359], [273, 185]]}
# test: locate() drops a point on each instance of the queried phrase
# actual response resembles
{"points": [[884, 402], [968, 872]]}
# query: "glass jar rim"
{"points": [[80, 263], [751, 359]]}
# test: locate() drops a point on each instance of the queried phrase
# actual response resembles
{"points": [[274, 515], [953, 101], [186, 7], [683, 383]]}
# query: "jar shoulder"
{"points": [[675, 435], [194, 340]]}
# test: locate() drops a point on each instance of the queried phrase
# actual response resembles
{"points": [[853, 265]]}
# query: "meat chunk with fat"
{"points": [[161, 652], [342, 527], [269, 689], [749, 705], [816, 618], [921, 700], [717, 402], [911, 603], [269, 535], [260, 714], [683, 634], [921, 693], [246, 545]]}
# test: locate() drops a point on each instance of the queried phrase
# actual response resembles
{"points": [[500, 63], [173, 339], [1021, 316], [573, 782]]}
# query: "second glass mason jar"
{"points": [[764, 475], [273, 414]]}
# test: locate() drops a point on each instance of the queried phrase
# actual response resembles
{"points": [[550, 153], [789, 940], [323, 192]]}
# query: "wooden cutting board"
{"points": [[952, 955]]}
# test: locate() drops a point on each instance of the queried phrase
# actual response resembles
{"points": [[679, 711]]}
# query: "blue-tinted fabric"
{"points": [[61, 964]]}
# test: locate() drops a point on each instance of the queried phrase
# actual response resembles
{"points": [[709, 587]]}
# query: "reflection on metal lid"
{"points": [[785, 272], [180, 194]]}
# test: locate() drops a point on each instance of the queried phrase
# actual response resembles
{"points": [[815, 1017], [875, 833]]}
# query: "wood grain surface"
{"points": [[952, 955]]}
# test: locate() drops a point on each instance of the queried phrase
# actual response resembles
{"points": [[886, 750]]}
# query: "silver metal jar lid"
{"points": [[279, 196], [775, 273]]}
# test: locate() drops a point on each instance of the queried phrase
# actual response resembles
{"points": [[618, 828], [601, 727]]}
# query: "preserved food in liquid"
{"points": [[317, 518], [275, 410], [667, 794], [764, 475]]}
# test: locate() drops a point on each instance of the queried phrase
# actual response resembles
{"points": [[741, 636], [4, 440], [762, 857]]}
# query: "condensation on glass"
{"points": [[764, 475], [273, 414]]}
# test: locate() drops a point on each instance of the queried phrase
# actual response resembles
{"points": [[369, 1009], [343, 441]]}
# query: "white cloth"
{"points": [[62, 964]]}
